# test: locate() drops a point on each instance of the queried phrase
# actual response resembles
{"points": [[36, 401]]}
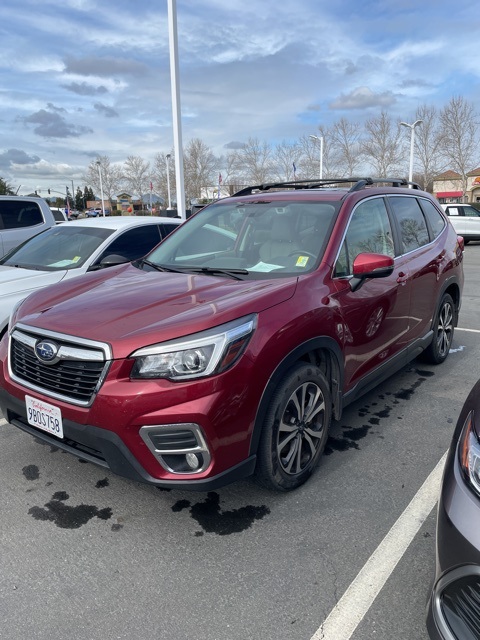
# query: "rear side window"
{"points": [[18, 214], [452, 211], [434, 217], [413, 228], [471, 211]]}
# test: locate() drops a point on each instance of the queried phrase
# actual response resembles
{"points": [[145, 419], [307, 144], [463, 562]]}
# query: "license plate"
{"points": [[44, 416]]}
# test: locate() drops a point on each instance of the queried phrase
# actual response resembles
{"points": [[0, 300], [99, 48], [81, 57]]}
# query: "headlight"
{"points": [[197, 356], [469, 453]]}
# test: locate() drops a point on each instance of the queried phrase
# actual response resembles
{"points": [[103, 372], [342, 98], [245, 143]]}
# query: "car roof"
{"points": [[122, 222]]}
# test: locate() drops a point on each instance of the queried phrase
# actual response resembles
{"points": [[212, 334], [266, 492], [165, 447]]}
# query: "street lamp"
{"points": [[320, 140], [167, 160], [98, 163], [412, 139]]}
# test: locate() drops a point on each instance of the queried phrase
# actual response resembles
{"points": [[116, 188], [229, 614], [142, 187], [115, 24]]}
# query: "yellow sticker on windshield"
{"points": [[76, 258], [302, 261]]}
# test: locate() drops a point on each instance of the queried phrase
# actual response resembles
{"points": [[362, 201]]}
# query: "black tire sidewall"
{"points": [[432, 354], [269, 471]]}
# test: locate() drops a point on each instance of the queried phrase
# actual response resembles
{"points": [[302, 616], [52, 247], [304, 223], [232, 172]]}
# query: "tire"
{"points": [[444, 324], [295, 429]]}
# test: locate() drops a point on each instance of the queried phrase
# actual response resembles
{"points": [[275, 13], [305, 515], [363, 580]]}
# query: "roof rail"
{"points": [[358, 183]]}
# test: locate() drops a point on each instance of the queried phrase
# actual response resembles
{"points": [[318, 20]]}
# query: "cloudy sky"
{"points": [[82, 78]]}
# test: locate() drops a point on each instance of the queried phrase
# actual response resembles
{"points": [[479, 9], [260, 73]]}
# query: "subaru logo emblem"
{"points": [[46, 351]]}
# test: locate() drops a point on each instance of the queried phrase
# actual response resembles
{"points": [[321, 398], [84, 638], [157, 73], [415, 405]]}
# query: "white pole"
{"points": [[101, 187], [176, 110], [319, 139], [321, 157], [412, 144]]}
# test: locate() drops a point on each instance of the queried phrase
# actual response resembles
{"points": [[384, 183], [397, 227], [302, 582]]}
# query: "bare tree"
{"points": [[252, 163], [383, 146], [137, 175], [309, 160], [285, 161], [200, 169], [112, 177], [313, 149], [459, 124], [346, 137], [428, 146], [231, 179], [159, 175]]}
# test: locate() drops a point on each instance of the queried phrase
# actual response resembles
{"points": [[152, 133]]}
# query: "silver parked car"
{"points": [[465, 220], [70, 250], [21, 218], [454, 605]]}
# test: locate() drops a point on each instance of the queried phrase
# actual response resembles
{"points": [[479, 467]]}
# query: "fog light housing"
{"points": [[179, 448], [192, 461]]}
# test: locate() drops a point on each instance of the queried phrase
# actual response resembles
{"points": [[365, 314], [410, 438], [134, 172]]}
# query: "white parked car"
{"points": [[465, 220], [69, 250]]}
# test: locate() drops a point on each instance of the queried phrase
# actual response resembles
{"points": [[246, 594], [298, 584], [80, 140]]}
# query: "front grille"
{"points": [[74, 378], [460, 604]]}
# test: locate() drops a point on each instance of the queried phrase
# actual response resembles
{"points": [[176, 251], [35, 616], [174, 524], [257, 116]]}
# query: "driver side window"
{"points": [[369, 231]]}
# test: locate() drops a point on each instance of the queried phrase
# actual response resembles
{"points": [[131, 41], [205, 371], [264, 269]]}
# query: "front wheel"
{"points": [[443, 328], [295, 430]]}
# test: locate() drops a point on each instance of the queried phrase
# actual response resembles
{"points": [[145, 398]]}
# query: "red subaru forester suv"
{"points": [[229, 348]]}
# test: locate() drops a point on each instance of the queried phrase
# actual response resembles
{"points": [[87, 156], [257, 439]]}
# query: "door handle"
{"points": [[402, 277]]}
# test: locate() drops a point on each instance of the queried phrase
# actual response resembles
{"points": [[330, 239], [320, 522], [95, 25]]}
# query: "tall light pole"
{"points": [[167, 160], [412, 142], [98, 163], [177, 113], [320, 140]]}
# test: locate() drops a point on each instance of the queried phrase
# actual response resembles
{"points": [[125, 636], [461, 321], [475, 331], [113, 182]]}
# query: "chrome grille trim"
{"points": [[75, 378]]}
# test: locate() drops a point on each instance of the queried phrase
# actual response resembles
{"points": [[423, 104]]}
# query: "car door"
{"points": [[471, 222], [424, 259], [456, 217], [376, 316]]}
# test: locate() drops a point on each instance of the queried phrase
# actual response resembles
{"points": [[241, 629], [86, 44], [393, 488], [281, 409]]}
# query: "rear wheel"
{"points": [[295, 430], [443, 328]]}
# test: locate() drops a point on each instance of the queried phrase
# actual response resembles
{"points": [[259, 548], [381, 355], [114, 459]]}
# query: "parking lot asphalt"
{"points": [[90, 555]]}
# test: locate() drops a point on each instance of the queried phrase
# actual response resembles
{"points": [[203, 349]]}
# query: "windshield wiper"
{"points": [[233, 273], [160, 267]]}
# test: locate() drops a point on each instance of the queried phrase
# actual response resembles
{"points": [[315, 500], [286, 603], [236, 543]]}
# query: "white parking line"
{"points": [[360, 595], [2, 422], [469, 330]]}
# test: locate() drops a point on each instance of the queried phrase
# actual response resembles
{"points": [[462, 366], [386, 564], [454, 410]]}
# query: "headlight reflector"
{"points": [[469, 453], [197, 356]]}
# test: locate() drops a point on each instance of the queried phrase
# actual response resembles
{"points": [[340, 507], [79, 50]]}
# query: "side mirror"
{"points": [[109, 261], [370, 265]]}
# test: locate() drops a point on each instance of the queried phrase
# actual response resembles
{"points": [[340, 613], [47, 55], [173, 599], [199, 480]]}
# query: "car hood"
{"points": [[15, 280], [129, 308]]}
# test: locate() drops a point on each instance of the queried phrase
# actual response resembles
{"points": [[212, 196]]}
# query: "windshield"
{"points": [[258, 239], [58, 248]]}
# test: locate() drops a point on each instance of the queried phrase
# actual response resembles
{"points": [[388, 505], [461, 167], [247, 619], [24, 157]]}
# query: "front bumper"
{"points": [[453, 610], [152, 430], [105, 448]]}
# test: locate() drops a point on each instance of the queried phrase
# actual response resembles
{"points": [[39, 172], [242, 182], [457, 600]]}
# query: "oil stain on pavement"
{"points": [[66, 516], [223, 523], [350, 436]]}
